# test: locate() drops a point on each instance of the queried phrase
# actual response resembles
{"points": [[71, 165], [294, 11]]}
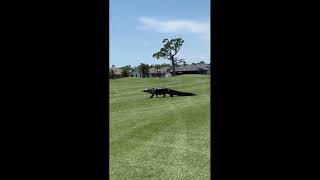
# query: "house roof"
{"points": [[162, 70], [203, 65], [192, 67], [117, 71], [152, 70], [133, 71]]}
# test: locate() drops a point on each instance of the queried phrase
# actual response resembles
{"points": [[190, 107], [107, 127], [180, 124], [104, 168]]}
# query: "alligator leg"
{"points": [[152, 95], [156, 95], [170, 93], [164, 95]]}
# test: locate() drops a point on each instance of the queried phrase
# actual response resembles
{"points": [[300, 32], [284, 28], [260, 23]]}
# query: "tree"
{"points": [[157, 67], [111, 73], [127, 67], [125, 70], [169, 51], [165, 65], [144, 69], [201, 62]]}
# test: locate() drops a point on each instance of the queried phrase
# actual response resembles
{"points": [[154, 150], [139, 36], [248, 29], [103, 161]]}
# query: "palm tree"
{"points": [[144, 69], [157, 67]]}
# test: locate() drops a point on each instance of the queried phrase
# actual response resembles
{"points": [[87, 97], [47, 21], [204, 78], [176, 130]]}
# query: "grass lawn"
{"points": [[160, 138]]}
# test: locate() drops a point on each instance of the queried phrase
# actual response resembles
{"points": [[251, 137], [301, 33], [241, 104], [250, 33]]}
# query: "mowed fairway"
{"points": [[160, 138]]}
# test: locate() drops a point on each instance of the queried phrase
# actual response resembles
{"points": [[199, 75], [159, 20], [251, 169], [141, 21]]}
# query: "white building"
{"points": [[134, 73]]}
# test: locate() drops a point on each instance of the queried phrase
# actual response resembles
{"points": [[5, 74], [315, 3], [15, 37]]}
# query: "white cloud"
{"points": [[201, 28]]}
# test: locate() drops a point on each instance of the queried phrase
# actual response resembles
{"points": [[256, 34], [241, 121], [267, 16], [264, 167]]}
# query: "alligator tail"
{"points": [[179, 93], [186, 94]]}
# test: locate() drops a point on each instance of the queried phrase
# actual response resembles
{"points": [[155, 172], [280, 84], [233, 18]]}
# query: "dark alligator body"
{"points": [[164, 91]]}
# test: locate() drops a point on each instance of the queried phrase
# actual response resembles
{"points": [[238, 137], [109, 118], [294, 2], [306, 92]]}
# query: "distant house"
{"points": [[115, 72], [199, 68], [162, 72], [134, 73], [204, 67]]}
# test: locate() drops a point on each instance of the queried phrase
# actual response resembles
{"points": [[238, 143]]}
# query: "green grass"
{"points": [[160, 138]]}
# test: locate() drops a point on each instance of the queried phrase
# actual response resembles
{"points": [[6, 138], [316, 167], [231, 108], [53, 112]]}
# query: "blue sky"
{"points": [[137, 28]]}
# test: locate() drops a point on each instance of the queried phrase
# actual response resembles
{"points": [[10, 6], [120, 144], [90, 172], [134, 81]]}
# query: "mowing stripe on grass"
{"points": [[160, 138]]}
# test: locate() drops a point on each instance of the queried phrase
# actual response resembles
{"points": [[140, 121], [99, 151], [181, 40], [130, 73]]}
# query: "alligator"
{"points": [[164, 91]]}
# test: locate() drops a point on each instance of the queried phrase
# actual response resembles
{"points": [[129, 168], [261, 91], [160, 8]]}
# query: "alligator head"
{"points": [[147, 90]]}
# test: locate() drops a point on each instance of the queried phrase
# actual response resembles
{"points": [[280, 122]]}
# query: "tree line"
{"points": [[169, 52], [142, 68]]}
